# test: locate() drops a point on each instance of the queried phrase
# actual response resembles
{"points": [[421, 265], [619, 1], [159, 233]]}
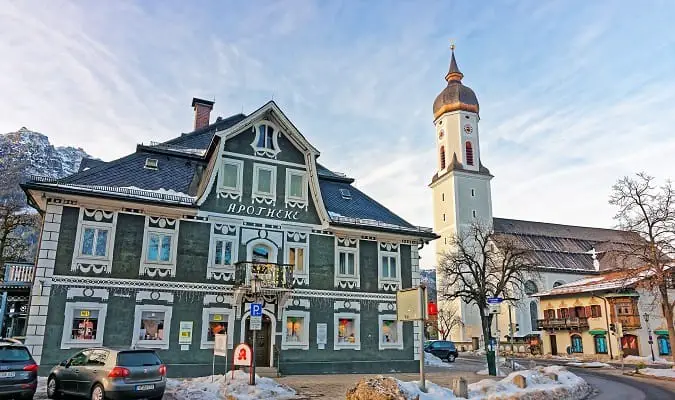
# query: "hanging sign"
{"points": [[411, 304], [185, 332], [243, 355], [220, 346]]}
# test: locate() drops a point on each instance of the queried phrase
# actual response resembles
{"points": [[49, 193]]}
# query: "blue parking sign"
{"points": [[256, 310]]}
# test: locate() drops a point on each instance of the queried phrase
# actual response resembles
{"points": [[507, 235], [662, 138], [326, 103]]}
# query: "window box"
{"points": [[231, 178], [215, 321], [391, 332], [347, 331], [264, 183], [296, 188], [295, 334], [83, 325], [152, 324]]}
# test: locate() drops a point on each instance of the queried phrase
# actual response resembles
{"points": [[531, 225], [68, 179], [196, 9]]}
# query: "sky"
{"points": [[573, 94]]}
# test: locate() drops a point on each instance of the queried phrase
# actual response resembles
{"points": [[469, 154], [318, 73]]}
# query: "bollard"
{"points": [[460, 388], [520, 381]]}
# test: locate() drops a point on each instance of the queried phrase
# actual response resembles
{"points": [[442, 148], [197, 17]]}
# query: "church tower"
{"points": [[461, 184]]}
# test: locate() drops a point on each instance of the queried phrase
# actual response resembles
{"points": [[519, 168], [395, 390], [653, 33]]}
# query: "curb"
{"points": [[659, 378]]}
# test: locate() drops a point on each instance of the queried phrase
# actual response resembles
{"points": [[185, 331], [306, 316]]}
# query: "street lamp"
{"points": [[255, 291], [651, 340]]}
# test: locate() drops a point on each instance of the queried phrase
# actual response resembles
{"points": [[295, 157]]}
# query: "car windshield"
{"points": [[137, 359], [14, 354]]}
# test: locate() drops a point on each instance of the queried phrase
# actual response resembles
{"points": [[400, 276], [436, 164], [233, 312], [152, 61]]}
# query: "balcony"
{"points": [[563, 323], [19, 274], [629, 321], [274, 282]]}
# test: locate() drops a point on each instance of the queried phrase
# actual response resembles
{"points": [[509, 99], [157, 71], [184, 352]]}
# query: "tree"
{"points": [[18, 223], [485, 264], [447, 321], [648, 210]]}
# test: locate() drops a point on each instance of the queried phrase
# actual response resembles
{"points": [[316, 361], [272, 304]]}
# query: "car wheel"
{"points": [[97, 393], [451, 358], [52, 388]]}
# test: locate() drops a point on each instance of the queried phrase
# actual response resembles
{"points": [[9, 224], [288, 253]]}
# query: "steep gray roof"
{"points": [[564, 247]]}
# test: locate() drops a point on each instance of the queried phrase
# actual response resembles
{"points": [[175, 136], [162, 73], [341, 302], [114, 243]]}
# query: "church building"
{"points": [[462, 195], [170, 245]]}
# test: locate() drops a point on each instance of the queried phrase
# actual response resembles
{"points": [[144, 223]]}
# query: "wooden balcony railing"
{"points": [[629, 321], [563, 323], [271, 276], [19, 273]]}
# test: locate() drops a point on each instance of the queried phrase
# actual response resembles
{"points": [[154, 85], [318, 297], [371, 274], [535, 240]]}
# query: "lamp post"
{"points": [[255, 291], [651, 340]]}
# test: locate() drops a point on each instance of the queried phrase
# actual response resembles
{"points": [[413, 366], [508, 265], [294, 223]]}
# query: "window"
{"points": [[564, 313], [347, 331], [558, 283], [664, 345], [79, 359], [534, 315], [473, 213], [159, 247], [389, 266], [151, 326], [296, 330], [94, 241], [391, 332], [530, 288], [549, 314], [265, 137], [11, 353], [346, 194], [296, 257], [97, 357], [596, 311], [151, 163], [296, 185], [347, 263], [264, 180], [216, 321], [600, 344], [442, 157], [222, 252], [469, 153], [231, 176], [442, 196], [443, 217], [577, 344], [473, 192], [83, 325]]}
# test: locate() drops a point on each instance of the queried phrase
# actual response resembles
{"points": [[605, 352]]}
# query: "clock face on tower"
{"points": [[468, 129]]}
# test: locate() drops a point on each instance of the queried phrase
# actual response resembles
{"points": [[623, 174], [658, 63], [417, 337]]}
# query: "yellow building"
{"points": [[601, 318]]}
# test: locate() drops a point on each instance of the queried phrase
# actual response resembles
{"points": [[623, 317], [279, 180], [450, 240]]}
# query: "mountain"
{"points": [[428, 277], [34, 151]]}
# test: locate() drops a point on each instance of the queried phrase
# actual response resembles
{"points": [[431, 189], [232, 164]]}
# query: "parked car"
{"points": [[105, 373], [18, 370], [443, 349]]}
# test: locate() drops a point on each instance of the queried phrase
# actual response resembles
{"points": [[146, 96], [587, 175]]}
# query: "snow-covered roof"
{"points": [[607, 281]]}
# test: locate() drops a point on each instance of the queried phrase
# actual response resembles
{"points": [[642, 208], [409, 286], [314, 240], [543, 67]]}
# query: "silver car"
{"points": [[104, 373]]}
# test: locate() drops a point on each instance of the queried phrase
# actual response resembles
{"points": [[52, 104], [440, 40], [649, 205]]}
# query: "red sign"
{"points": [[432, 309]]}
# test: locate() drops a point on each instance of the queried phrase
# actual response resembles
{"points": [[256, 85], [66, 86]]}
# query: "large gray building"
{"points": [[137, 250]]}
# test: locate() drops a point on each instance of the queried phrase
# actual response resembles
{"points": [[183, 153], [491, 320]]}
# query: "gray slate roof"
{"points": [[563, 247]]}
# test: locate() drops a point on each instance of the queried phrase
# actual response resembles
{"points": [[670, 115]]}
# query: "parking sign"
{"points": [[256, 310]]}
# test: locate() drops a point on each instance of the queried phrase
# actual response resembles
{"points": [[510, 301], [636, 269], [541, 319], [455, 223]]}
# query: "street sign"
{"points": [[220, 346], [494, 300], [243, 355], [256, 310], [495, 308], [410, 304], [255, 323]]}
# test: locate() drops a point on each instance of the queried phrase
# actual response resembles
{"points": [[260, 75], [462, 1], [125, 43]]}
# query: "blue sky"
{"points": [[573, 94]]}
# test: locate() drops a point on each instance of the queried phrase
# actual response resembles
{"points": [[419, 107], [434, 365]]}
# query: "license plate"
{"points": [[7, 374], [145, 387]]}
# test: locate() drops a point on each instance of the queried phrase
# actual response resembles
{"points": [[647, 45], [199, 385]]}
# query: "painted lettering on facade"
{"points": [[263, 212]]}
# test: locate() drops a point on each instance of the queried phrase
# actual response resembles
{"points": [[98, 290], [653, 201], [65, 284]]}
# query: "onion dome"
{"points": [[455, 96]]}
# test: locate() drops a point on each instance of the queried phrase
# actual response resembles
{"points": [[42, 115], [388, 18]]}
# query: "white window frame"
{"points": [[212, 250], [302, 199], [357, 327], [382, 280], [305, 258], [78, 257], [171, 264], [304, 344], [152, 344], [399, 332], [236, 191], [66, 341], [347, 251], [265, 151], [207, 311], [96, 227], [273, 184]]}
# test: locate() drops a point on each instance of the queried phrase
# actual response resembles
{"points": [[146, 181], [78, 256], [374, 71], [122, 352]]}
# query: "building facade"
{"points": [[170, 239], [462, 196]]}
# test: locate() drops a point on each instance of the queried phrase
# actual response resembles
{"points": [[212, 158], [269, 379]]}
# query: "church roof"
{"points": [[566, 247], [455, 96]]}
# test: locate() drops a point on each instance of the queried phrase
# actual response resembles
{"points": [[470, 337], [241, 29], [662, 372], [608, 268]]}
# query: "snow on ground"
{"points": [[646, 360], [433, 361], [594, 364], [567, 387], [565, 358], [224, 386], [667, 373]]}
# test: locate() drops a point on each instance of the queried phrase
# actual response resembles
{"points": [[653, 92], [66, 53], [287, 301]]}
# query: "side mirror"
{"points": [[64, 363]]}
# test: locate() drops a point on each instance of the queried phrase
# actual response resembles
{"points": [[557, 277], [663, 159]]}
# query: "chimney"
{"points": [[202, 112]]}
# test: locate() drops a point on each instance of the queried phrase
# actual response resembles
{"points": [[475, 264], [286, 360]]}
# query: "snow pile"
{"points": [[594, 364], [539, 386], [433, 361], [226, 387], [646, 360], [662, 373]]}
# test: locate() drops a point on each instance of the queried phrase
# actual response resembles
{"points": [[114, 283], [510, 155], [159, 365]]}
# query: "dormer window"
{"points": [[151, 163], [346, 194], [266, 142]]}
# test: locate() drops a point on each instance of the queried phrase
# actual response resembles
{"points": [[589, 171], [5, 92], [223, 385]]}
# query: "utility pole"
{"points": [[497, 343], [511, 334]]}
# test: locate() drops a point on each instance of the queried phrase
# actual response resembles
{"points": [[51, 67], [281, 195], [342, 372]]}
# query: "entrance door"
{"points": [[263, 343], [554, 345], [629, 345]]}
